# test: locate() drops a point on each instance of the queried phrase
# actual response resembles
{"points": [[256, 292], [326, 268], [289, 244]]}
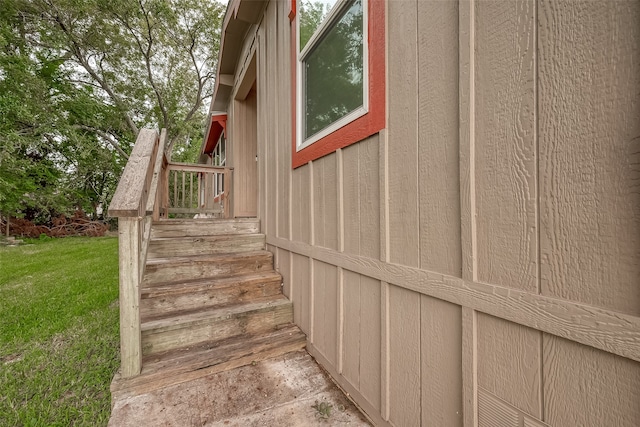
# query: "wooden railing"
{"points": [[197, 190], [152, 188], [135, 204]]}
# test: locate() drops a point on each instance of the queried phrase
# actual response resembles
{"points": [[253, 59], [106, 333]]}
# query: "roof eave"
{"points": [[239, 17]]}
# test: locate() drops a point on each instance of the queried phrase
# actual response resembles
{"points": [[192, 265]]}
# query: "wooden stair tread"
{"points": [[189, 295], [211, 237], [183, 221], [164, 247], [210, 314], [170, 269], [213, 258], [202, 227], [178, 287], [188, 363]]}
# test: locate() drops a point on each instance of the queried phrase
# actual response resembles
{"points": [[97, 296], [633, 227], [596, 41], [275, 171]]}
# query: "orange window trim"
{"points": [[364, 126], [292, 11]]}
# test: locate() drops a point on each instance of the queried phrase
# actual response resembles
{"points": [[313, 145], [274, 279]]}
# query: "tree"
{"points": [[154, 60], [78, 78], [27, 117]]}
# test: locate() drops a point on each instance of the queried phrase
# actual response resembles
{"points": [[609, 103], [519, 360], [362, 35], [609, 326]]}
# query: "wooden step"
{"points": [[192, 328], [204, 227], [190, 295], [172, 269], [186, 364], [191, 245]]}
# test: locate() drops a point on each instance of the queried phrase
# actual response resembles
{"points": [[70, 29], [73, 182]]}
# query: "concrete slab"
{"points": [[289, 390]]}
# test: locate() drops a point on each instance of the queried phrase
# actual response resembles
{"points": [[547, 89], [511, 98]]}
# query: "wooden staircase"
{"points": [[210, 301]]}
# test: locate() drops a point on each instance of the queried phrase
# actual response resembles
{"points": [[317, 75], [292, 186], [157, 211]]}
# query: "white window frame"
{"points": [[326, 25], [217, 152]]}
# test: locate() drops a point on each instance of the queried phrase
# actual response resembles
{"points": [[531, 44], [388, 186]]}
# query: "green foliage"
{"points": [[311, 16], [59, 333], [77, 81], [188, 151]]}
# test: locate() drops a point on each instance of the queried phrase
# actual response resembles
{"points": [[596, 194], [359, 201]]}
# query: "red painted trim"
{"points": [[294, 64], [365, 126], [219, 198], [218, 126], [292, 12]]}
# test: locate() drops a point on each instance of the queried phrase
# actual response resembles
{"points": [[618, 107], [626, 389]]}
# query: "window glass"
{"points": [[312, 14], [223, 154], [333, 71]]}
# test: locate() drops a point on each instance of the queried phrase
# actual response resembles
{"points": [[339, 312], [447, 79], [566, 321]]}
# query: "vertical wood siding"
{"points": [[508, 171], [505, 146], [438, 139], [404, 214], [590, 151], [245, 130], [588, 387]]}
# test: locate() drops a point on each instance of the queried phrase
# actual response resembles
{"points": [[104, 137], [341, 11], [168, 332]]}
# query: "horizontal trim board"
{"points": [[195, 210], [603, 329]]}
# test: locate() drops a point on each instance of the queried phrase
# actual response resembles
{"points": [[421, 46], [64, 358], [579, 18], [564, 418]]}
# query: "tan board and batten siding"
{"points": [[478, 261]]}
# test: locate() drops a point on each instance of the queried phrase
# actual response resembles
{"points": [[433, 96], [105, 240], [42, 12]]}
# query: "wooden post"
{"points": [[165, 188], [130, 332], [133, 205], [228, 185]]}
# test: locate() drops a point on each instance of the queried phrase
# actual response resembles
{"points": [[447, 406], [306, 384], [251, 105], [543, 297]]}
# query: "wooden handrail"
{"points": [[188, 167], [130, 198], [134, 204], [153, 200]]}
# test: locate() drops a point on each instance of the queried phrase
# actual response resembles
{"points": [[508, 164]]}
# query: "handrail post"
{"points": [[228, 185], [134, 205], [130, 273], [165, 188]]}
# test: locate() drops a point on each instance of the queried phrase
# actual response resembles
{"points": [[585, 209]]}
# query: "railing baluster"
{"points": [[184, 198], [215, 185], [190, 189], [206, 191], [200, 195], [175, 188]]}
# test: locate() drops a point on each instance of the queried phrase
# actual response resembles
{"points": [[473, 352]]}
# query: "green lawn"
{"points": [[58, 331]]}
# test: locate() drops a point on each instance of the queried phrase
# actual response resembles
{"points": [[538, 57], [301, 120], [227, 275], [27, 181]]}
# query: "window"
{"points": [[332, 66], [339, 75], [219, 155]]}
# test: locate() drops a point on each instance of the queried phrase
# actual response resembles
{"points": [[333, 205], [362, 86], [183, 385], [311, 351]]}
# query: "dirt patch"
{"points": [[12, 358], [288, 391]]}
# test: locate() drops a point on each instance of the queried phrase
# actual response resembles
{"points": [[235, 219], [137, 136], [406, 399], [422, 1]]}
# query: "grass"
{"points": [[58, 331]]}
